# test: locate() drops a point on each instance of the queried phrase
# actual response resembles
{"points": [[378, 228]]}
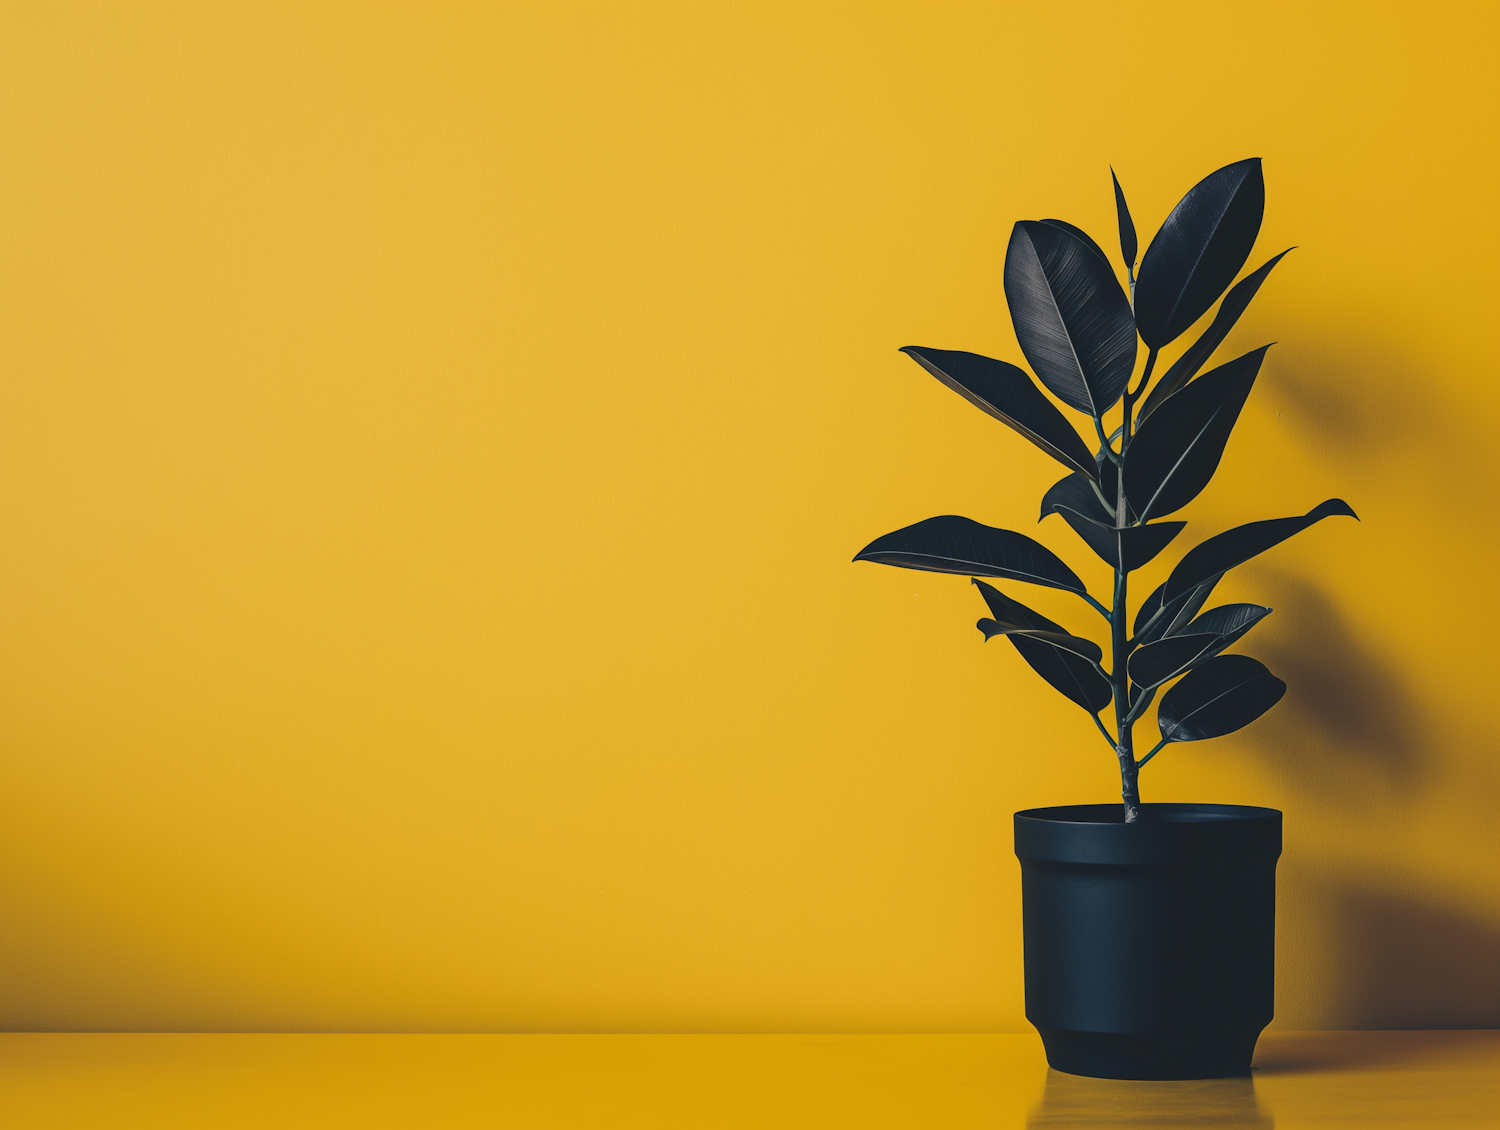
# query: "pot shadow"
{"points": [[1307, 1053], [1413, 980], [1411, 965], [1078, 1101], [1347, 715]]}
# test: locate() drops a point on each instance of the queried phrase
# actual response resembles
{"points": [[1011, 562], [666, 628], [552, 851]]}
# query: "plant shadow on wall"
{"points": [[1351, 734], [1348, 726]]}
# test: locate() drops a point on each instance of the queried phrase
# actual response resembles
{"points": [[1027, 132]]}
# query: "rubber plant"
{"points": [[1078, 329]]}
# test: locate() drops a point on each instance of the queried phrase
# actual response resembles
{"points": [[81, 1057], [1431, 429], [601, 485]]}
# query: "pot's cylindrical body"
{"points": [[1150, 947]]}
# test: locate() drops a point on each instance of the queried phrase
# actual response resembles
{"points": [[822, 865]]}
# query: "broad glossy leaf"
{"points": [[1222, 552], [1084, 236], [1152, 621], [1068, 672], [1226, 693], [1006, 392], [1080, 494], [1232, 620], [1187, 366], [1127, 225], [1125, 549], [1071, 317], [950, 544], [1198, 251], [1177, 451], [1204, 638]]}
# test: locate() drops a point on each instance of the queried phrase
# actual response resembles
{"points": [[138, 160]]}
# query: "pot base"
{"points": [[1112, 1055]]}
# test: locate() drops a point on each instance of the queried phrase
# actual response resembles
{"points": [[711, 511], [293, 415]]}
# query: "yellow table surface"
{"points": [[1344, 1079]]}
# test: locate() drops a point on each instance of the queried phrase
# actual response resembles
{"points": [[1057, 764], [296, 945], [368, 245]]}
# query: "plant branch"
{"points": [[1101, 609], [1149, 756], [1103, 731], [1137, 710]]}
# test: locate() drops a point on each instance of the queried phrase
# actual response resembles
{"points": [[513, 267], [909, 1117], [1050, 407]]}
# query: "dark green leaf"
{"points": [[1198, 251], [1073, 645], [1067, 672], [1078, 493], [1012, 611], [1218, 698], [1205, 637], [1232, 620], [950, 544], [1222, 552], [1127, 225], [1125, 549], [1071, 317], [1007, 393], [1084, 237], [1152, 621], [1178, 450], [1187, 366]]}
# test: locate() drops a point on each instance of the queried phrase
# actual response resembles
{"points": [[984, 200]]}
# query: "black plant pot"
{"points": [[1150, 947]]}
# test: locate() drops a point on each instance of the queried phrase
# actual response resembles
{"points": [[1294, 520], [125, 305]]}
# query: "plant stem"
{"points": [[1124, 723], [1124, 744]]}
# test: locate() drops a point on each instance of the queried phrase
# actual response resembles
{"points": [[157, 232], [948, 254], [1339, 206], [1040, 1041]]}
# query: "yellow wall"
{"points": [[433, 439]]}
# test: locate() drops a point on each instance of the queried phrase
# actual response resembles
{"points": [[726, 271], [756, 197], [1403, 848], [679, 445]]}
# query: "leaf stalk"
{"points": [[1154, 751]]}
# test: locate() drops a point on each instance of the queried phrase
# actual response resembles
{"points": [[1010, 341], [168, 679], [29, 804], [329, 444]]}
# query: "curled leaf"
{"points": [[1074, 645], [1067, 670]]}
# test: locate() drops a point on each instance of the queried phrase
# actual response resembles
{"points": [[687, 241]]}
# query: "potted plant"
{"points": [[1149, 928]]}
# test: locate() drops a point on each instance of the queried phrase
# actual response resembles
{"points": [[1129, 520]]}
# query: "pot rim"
{"points": [[1166, 812], [1172, 834]]}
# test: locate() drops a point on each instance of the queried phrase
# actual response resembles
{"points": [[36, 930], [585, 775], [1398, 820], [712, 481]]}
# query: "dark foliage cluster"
{"points": [[1079, 330]]}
